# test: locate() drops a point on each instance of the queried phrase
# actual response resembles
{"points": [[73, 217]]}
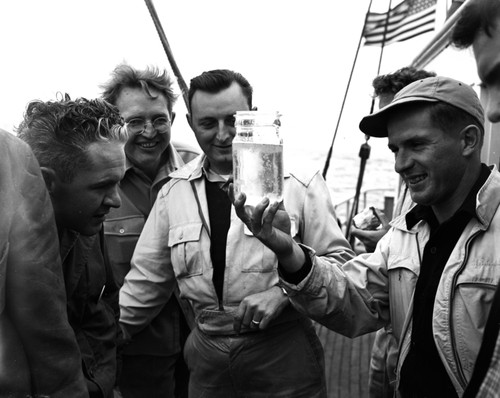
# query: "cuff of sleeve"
{"points": [[298, 276]]}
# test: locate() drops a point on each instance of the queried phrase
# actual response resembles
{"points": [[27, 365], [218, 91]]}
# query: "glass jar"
{"points": [[258, 156]]}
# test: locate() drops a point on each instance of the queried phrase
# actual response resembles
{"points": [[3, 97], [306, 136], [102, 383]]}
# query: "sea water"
{"points": [[258, 171]]}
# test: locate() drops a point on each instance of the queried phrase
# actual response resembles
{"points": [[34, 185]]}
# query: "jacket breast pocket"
{"points": [[472, 300], [121, 236], [403, 274], [256, 257], [186, 250], [4, 254]]}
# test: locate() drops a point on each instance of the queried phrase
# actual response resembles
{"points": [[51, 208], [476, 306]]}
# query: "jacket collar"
{"points": [[487, 202], [75, 250], [192, 170]]}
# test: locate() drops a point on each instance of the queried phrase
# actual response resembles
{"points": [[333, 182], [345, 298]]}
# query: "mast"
{"points": [[168, 51]]}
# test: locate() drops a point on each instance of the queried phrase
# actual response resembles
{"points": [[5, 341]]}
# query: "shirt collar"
{"points": [[171, 161], [211, 175], [421, 212]]}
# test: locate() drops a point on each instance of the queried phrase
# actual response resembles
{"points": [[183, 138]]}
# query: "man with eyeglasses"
{"points": [[152, 364]]}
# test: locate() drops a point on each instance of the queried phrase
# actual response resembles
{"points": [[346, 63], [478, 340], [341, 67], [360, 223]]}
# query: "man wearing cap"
{"points": [[433, 275]]}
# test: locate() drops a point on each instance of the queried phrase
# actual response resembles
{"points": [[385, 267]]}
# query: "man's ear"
{"points": [[472, 139], [50, 177], [172, 118]]}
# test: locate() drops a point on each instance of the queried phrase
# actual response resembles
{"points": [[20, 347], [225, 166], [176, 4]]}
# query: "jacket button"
{"points": [[122, 230], [433, 250]]}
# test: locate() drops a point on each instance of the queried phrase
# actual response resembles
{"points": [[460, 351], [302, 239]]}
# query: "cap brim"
{"points": [[375, 125]]}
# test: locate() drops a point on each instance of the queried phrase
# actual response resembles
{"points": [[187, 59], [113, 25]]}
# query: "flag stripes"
{"points": [[407, 20]]}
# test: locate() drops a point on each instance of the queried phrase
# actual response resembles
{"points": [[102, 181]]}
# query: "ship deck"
{"points": [[346, 363]]}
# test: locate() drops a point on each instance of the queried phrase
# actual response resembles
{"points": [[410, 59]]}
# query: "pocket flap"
{"points": [[123, 226], [184, 233]]}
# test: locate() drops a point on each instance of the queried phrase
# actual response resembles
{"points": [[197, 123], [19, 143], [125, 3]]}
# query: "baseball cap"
{"points": [[431, 89]]}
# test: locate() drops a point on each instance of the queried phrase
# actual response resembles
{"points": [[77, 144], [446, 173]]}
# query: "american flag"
{"points": [[408, 19]]}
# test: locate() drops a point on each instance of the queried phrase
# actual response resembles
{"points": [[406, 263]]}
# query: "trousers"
{"points": [[283, 361]]}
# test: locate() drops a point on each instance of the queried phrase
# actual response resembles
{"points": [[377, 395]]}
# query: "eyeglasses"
{"points": [[138, 125]]}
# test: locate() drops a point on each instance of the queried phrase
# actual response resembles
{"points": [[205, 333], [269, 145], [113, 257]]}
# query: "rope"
{"points": [[364, 151]]}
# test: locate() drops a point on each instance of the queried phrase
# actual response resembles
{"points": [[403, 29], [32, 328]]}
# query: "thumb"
{"points": [[381, 216], [238, 317]]}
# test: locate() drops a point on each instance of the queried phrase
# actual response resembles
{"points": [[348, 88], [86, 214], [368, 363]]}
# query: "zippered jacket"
{"points": [[39, 354], [175, 245], [122, 229], [374, 289]]}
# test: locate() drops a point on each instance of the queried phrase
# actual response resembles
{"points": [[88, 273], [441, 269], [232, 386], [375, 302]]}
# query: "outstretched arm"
{"points": [[270, 223]]}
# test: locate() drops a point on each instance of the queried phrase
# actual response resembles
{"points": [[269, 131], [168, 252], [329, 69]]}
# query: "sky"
{"points": [[297, 55]]}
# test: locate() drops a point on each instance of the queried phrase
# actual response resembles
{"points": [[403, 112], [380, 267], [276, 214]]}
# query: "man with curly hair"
{"points": [[79, 145]]}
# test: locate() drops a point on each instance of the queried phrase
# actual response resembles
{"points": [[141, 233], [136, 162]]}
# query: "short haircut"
{"points": [[394, 82], [60, 132], [124, 76], [452, 119], [479, 15], [447, 117], [217, 80]]}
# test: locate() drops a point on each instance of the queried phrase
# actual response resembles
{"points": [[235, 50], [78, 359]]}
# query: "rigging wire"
{"points": [[364, 152], [328, 157]]}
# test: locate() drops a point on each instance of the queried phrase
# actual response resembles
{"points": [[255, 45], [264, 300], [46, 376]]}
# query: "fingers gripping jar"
{"points": [[258, 156]]}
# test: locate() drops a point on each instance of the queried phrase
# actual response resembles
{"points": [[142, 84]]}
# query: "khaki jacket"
{"points": [[122, 229], [39, 354], [175, 246], [373, 289]]}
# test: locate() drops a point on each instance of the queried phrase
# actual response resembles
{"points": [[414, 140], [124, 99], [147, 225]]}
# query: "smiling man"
{"points": [[152, 363], [79, 145], [247, 340], [433, 275]]}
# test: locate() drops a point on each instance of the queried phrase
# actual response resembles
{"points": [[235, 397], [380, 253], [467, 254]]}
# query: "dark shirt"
{"points": [[140, 189], [423, 373], [219, 210], [92, 304]]}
